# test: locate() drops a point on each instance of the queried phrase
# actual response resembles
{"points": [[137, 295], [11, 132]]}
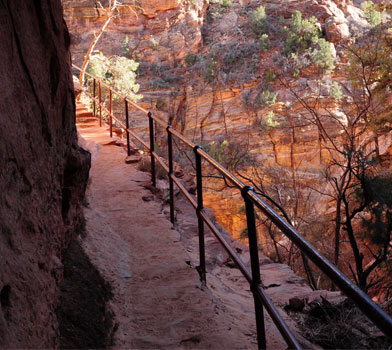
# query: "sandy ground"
{"points": [[158, 300]]}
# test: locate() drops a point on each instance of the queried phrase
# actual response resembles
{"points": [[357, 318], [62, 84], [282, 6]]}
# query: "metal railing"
{"points": [[261, 300]]}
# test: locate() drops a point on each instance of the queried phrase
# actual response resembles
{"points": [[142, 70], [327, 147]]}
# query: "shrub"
{"points": [[234, 55], [323, 57], [219, 6], [304, 45], [264, 42], [158, 83], [260, 21], [372, 14], [232, 155], [125, 46], [268, 122], [266, 98], [160, 104], [190, 59], [336, 91], [270, 76], [212, 69], [154, 44], [299, 62], [301, 34]]}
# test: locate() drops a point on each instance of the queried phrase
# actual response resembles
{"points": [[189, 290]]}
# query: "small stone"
{"points": [[132, 159]]}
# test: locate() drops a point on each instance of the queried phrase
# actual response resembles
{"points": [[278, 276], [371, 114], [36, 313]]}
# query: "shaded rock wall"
{"points": [[43, 172]]}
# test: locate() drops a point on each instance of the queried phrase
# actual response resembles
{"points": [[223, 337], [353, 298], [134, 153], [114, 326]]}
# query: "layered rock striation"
{"points": [[43, 172]]}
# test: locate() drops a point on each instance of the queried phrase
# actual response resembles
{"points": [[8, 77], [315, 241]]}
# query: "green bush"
{"points": [[304, 45], [372, 13], [267, 98], [301, 34], [190, 59], [260, 21], [322, 56], [267, 122], [264, 42], [119, 72], [270, 76], [336, 91], [232, 155]]}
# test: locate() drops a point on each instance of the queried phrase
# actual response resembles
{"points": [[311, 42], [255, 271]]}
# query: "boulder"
{"points": [[336, 29]]}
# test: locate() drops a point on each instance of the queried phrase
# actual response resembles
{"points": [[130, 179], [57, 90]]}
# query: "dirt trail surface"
{"points": [[158, 300]]}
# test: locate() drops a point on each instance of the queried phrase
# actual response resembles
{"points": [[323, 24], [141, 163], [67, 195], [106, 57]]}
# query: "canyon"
{"points": [[202, 71]]}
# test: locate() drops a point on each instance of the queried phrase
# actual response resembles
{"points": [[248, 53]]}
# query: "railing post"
{"points": [[202, 266], [152, 149], [127, 125], [255, 265], [110, 113], [100, 103], [94, 88], [171, 187]]}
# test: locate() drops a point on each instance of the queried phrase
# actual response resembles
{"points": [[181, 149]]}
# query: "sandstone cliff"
{"points": [[203, 71], [43, 172], [201, 68]]}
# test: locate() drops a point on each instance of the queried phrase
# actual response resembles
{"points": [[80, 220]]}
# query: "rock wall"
{"points": [[43, 172], [164, 30]]}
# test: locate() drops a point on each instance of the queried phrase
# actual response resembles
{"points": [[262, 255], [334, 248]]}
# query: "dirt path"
{"points": [[158, 300]]}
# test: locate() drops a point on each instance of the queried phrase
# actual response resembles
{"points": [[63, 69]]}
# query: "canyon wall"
{"points": [[201, 69], [43, 172], [156, 31]]}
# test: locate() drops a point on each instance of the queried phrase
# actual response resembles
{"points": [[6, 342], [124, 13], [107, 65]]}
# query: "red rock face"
{"points": [[43, 172]]}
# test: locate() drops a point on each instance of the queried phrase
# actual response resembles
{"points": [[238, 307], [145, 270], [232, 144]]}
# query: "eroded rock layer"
{"points": [[43, 172]]}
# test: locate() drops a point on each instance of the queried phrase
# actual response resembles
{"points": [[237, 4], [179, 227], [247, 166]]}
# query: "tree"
{"points": [[350, 125], [118, 72], [108, 13]]}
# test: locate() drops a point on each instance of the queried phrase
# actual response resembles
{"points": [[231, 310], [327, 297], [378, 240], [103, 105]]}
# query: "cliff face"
{"points": [[43, 172], [202, 70], [164, 30]]}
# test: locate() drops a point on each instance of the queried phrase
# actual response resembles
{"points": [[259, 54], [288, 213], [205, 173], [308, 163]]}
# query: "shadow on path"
{"points": [[85, 320]]}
